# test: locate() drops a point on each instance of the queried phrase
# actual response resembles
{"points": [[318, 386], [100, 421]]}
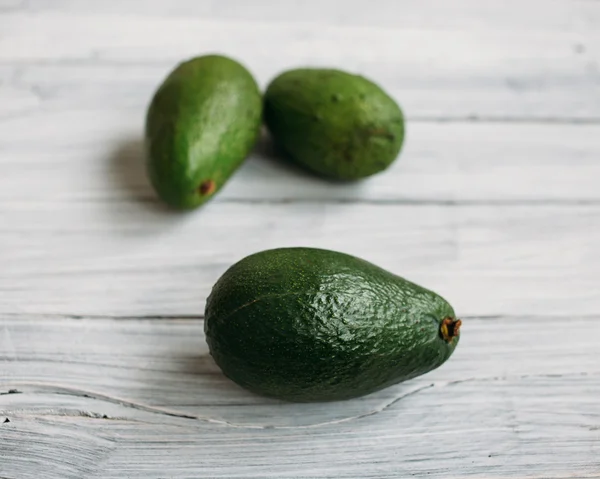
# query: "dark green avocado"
{"points": [[202, 123], [339, 125], [304, 324]]}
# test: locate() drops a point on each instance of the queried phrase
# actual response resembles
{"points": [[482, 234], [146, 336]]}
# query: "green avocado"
{"points": [[304, 324], [201, 124], [339, 125]]}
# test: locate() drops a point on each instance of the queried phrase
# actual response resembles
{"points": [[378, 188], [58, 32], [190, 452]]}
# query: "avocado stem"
{"points": [[207, 187], [449, 329]]}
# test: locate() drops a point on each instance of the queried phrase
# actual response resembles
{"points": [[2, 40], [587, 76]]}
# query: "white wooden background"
{"points": [[494, 203]]}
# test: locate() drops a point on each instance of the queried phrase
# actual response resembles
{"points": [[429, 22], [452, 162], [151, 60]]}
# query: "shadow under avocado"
{"points": [[127, 172], [207, 394], [208, 379], [269, 151]]}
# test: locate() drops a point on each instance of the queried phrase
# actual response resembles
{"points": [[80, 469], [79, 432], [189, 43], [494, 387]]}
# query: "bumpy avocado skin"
{"points": [[201, 124], [339, 125], [304, 324]]}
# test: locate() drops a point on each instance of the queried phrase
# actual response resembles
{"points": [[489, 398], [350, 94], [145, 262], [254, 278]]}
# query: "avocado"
{"points": [[201, 124], [337, 124], [305, 324]]}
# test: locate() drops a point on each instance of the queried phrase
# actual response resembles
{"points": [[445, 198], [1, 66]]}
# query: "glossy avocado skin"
{"points": [[339, 125], [201, 124], [304, 324]]}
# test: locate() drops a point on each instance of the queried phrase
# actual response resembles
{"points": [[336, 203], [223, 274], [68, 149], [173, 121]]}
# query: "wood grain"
{"points": [[100, 159], [464, 71], [515, 400], [130, 259], [558, 15]]}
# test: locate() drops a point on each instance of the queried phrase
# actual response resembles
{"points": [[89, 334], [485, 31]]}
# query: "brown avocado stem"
{"points": [[449, 329], [207, 187]]}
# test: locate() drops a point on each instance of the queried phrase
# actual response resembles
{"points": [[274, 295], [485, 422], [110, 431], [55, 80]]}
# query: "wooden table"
{"points": [[494, 203]]}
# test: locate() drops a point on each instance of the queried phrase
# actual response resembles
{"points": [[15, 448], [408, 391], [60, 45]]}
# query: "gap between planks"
{"points": [[152, 200], [200, 317]]}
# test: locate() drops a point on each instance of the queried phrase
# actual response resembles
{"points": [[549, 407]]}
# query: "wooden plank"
{"points": [[127, 258], [93, 156], [503, 73], [493, 14], [518, 399]]}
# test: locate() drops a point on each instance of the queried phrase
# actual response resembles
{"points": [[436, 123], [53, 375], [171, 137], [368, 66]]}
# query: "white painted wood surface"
{"points": [[506, 60], [123, 259], [494, 203]]}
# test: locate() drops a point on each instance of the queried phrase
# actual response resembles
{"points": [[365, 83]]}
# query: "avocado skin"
{"points": [[304, 324], [339, 125], [201, 124]]}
